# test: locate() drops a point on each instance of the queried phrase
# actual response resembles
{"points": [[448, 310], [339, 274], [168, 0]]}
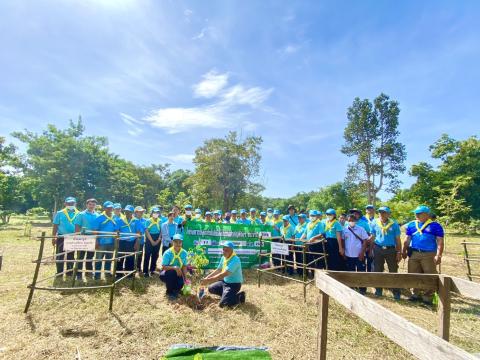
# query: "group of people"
{"points": [[352, 242]]}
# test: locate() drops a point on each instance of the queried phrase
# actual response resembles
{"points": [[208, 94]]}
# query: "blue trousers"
{"points": [[354, 264], [173, 282], [100, 256], [227, 291]]}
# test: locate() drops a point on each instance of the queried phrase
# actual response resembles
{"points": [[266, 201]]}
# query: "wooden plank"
{"points": [[444, 285], [417, 341], [322, 325], [465, 288], [386, 280]]}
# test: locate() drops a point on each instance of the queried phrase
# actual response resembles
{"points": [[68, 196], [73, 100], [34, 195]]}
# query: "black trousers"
{"points": [[140, 256], [334, 260], [227, 291], [173, 282], [299, 259], [87, 255], [319, 263], [70, 256], [151, 255], [126, 263], [276, 257]]}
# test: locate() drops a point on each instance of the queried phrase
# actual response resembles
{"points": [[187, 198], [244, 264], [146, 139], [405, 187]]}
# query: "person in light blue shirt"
{"points": [[63, 224], [169, 229], [243, 218], [288, 233], [117, 211], [300, 230], [178, 219], [174, 267], [105, 243], [387, 247], [226, 281], [128, 224], [370, 214], [253, 217], [139, 212], [152, 242], [292, 216], [314, 237], [85, 223]]}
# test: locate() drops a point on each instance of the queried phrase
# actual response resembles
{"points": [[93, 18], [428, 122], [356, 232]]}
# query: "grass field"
{"points": [[144, 324]]}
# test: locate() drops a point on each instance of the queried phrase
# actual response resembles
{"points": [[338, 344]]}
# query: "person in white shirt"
{"points": [[355, 238]]}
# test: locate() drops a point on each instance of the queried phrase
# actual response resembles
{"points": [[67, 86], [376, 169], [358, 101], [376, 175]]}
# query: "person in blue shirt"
{"points": [[333, 235], [424, 246], [188, 214], [208, 217], [117, 211], [299, 235], [263, 218], [233, 217], [139, 212], [243, 218], [387, 247], [198, 215], [153, 241], [177, 219], [169, 229], [84, 223], [269, 214], [253, 217], [226, 281], [63, 224], [174, 267], [292, 216], [314, 237], [370, 214], [105, 243], [288, 234], [128, 224]]}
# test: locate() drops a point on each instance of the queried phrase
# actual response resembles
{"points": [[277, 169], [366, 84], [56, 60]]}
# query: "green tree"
{"points": [[371, 136], [224, 170]]}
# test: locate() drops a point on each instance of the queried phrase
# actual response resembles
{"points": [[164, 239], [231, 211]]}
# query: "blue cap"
{"points": [[129, 208], [233, 212], [155, 209], [117, 206], [228, 244], [312, 212], [285, 217], [70, 199], [243, 211], [208, 213], [188, 206], [331, 212], [219, 212], [216, 212], [369, 206], [108, 204], [263, 213], [177, 237], [303, 216], [319, 212], [253, 209], [269, 209], [276, 212], [198, 211], [422, 209], [384, 208], [139, 208]]}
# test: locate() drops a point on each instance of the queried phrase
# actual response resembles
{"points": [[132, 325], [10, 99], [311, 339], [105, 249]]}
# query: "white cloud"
{"points": [[211, 84], [180, 158], [133, 124], [230, 106]]}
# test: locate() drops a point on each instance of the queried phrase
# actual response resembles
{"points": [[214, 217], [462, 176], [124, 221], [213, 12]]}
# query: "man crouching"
{"points": [[227, 279]]}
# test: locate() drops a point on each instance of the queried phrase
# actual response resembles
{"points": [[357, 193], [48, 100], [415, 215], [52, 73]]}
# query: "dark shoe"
{"points": [[414, 298], [146, 275], [427, 302], [172, 296], [396, 295], [241, 297], [378, 292]]}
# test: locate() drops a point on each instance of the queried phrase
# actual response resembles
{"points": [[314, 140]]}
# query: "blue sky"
{"points": [[159, 77]]}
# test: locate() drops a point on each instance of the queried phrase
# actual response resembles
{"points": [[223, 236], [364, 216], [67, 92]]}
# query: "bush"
{"points": [[37, 211]]}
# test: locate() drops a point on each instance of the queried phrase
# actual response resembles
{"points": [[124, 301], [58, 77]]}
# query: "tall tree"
{"points": [[224, 170]]}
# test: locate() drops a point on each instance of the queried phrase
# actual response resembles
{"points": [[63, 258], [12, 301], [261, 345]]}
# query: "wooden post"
{"points": [[325, 253], [444, 285], [114, 270], [260, 260], [469, 270], [322, 325], [35, 275], [304, 274]]}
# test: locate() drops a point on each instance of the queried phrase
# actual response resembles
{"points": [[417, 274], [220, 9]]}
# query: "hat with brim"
{"points": [[70, 199], [139, 208], [422, 209], [108, 204], [384, 209], [228, 244], [129, 208], [177, 237]]}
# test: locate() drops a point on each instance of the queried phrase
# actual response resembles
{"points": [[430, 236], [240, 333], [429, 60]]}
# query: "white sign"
{"points": [[79, 243], [279, 248], [266, 234]]}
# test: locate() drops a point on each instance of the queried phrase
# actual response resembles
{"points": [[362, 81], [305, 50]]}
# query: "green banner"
{"points": [[210, 235]]}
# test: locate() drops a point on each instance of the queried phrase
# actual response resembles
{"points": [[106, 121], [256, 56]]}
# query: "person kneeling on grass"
{"points": [[174, 267], [227, 279]]}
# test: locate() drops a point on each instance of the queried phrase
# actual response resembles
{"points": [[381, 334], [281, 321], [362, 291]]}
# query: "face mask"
{"points": [[227, 218], [71, 207], [330, 217], [188, 213], [351, 223], [198, 216], [313, 218], [155, 215]]}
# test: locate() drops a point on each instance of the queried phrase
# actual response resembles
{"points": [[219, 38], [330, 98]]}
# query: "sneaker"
{"points": [[241, 297], [172, 296], [378, 292]]}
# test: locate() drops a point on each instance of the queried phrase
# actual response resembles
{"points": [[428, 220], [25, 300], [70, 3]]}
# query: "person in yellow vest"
{"points": [[226, 281], [63, 224], [174, 267]]}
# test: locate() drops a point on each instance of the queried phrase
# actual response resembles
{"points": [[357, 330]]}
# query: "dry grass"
{"points": [[144, 324]]}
